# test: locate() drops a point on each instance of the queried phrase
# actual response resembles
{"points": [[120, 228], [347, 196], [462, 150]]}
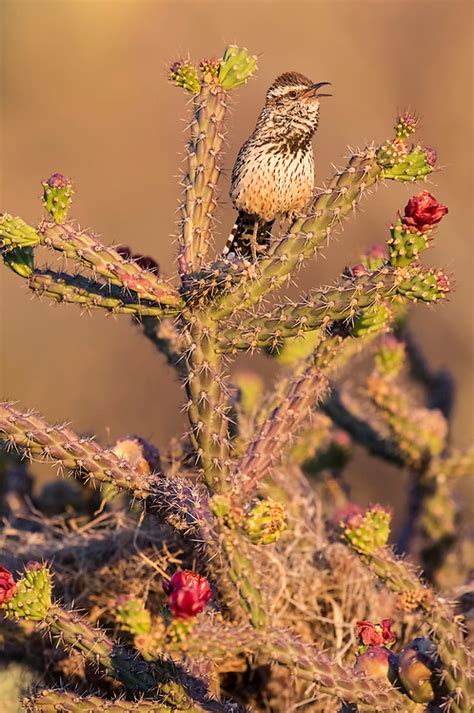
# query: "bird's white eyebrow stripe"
{"points": [[286, 89]]}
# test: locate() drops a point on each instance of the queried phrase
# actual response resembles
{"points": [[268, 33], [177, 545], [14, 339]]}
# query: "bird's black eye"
{"points": [[293, 93]]}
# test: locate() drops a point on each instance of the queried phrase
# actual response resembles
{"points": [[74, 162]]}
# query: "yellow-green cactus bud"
{"points": [[371, 320], [184, 74], [390, 356], [15, 233], [236, 67], [368, 531], [424, 286], [265, 523], [132, 615], [293, 349], [32, 597], [57, 196], [20, 260], [401, 165], [405, 246], [406, 125]]}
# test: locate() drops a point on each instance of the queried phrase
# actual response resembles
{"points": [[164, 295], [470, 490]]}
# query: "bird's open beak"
{"points": [[313, 90]]}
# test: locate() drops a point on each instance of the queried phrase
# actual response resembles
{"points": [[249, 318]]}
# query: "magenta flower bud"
{"points": [[431, 156], [358, 270], [443, 282], [7, 585], [58, 180], [422, 212], [188, 594]]}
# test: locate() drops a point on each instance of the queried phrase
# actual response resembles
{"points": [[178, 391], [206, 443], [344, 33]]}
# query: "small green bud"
{"points": [[57, 196], [371, 320], [368, 531], [266, 522], [20, 260], [15, 233], [32, 597], [132, 615], [184, 74], [401, 165], [236, 67], [406, 125], [423, 286], [390, 356]]}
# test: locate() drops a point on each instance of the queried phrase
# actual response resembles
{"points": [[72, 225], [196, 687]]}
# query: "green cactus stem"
{"points": [[57, 197], [15, 233], [19, 260], [389, 357], [202, 175], [208, 404], [405, 246], [76, 289]]}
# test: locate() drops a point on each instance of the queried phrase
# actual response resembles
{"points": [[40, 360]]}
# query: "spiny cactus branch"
{"points": [[321, 307], [445, 628], [52, 701], [171, 498], [76, 289], [302, 394]]}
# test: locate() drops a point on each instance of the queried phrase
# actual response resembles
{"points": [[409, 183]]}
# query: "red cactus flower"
{"points": [[7, 585], [188, 593], [422, 212], [376, 634]]}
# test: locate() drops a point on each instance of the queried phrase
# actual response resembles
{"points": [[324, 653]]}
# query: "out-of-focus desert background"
{"points": [[84, 92]]}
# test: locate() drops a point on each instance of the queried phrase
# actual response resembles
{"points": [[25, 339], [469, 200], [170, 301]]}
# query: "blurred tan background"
{"points": [[84, 92]]}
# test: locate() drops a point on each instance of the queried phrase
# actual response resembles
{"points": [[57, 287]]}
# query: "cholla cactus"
{"points": [[238, 550]]}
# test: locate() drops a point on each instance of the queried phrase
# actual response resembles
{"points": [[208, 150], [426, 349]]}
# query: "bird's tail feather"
{"points": [[247, 229]]}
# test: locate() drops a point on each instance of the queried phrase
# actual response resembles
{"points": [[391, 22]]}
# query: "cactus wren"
{"points": [[274, 170]]}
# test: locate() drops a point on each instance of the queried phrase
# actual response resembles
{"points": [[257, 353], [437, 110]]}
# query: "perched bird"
{"points": [[274, 171]]}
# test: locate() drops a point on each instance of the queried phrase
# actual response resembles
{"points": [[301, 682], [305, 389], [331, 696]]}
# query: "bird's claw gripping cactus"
{"points": [[244, 528]]}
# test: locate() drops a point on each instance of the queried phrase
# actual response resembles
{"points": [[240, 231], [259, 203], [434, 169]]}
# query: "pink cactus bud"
{"points": [[351, 512], [33, 566], [376, 662], [57, 180], [431, 156], [188, 593], [358, 270], [422, 212], [376, 634], [443, 282], [7, 585], [377, 252]]}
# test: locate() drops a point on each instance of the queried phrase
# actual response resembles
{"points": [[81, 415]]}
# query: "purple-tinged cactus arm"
{"points": [[171, 498], [77, 289], [276, 432], [52, 701]]}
